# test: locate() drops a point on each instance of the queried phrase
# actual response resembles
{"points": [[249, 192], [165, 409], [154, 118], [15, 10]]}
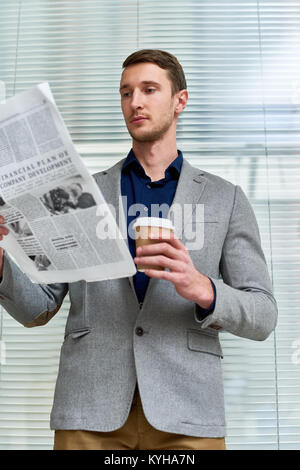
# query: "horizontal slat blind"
{"points": [[241, 60], [279, 41]]}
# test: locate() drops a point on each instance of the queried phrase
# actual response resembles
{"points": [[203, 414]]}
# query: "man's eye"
{"points": [[150, 90], [126, 94]]}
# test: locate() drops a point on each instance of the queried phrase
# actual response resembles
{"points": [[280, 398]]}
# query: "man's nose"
{"points": [[137, 100]]}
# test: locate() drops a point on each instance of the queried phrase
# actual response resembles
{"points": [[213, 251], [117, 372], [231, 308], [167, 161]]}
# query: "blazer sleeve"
{"points": [[245, 305], [28, 303]]}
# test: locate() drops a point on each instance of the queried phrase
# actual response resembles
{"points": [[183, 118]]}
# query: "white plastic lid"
{"points": [[153, 222]]}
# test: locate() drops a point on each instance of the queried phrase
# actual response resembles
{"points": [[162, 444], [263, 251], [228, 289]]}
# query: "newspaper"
{"points": [[49, 201]]}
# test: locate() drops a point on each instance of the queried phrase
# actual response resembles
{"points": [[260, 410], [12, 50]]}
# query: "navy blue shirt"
{"points": [[144, 198]]}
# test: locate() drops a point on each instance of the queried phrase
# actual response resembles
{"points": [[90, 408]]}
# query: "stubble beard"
{"points": [[155, 133]]}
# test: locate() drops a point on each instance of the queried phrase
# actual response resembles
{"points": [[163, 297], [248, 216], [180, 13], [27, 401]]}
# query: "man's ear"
{"points": [[182, 98]]}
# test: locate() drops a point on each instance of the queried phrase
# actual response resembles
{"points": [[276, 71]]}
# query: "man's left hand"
{"points": [[169, 252]]}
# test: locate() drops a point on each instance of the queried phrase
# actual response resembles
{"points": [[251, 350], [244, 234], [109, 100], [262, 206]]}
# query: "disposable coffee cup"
{"points": [[155, 226]]}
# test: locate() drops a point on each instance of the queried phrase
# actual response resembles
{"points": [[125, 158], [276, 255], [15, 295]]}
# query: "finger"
{"points": [[4, 231], [170, 238], [166, 275], [164, 248], [163, 261], [1, 261]]}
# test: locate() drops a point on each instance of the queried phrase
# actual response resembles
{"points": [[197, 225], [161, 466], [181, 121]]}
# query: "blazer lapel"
{"points": [[190, 188], [109, 182]]}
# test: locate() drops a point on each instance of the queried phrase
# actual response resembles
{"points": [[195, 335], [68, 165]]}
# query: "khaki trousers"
{"points": [[136, 434]]}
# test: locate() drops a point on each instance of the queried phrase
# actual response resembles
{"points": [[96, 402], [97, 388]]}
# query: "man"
{"points": [[140, 366]]}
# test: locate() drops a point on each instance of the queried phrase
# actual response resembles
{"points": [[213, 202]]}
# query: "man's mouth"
{"points": [[138, 119]]}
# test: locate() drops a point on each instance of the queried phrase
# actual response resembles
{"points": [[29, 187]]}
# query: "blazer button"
{"points": [[139, 331]]}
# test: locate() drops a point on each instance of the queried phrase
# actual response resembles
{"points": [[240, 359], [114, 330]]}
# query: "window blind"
{"points": [[241, 60]]}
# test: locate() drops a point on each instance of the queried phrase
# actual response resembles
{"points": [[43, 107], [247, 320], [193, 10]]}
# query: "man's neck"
{"points": [[154, 158]]}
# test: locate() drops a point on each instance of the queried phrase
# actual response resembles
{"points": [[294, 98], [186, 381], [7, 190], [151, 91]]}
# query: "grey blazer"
{"points": [[110, 343]]}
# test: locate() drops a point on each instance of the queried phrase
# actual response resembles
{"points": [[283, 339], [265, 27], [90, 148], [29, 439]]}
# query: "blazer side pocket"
{"points": [[78, 333], [204, 342]]}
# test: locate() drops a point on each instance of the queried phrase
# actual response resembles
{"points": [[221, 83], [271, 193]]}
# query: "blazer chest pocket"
{"points": [[204, 342], [198, 235]]}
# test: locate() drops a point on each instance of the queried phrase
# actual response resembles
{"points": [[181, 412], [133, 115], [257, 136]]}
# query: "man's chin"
{"points": [[143, 138], [146, 136]]}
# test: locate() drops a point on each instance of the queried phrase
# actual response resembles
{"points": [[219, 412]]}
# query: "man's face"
{"points": [[147, 102]]}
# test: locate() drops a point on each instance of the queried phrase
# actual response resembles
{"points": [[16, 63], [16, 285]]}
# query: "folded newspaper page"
{"points": [[49, 200]]}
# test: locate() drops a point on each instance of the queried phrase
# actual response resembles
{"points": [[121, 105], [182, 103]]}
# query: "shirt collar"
{"points": [[132, 162]]}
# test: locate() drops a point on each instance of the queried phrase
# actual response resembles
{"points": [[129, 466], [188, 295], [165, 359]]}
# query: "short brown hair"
{"points": [[164, 60]]}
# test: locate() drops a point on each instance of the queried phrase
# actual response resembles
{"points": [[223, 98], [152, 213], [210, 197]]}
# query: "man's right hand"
{"points": [[3, 231]]}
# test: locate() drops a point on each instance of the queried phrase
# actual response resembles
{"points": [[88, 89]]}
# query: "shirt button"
{"points": [[146, 209], [139, 331]]}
